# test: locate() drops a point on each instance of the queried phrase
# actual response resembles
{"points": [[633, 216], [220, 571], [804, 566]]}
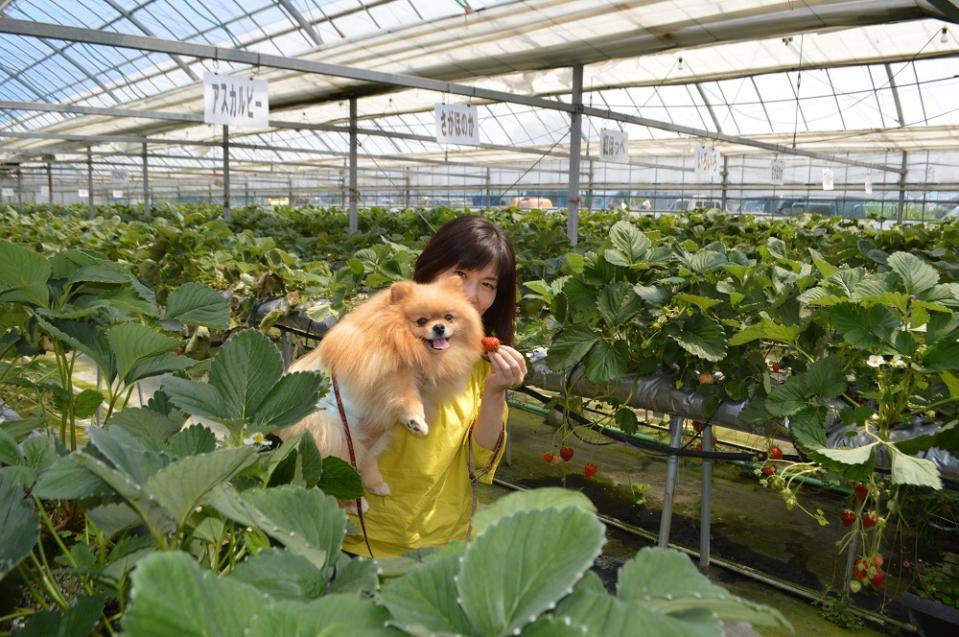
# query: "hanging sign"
{"points": [[456, 124], [7, 192], [777, 172], [235, 101], [120, 176], [614, 146], [707, 163], [827, 179], [117, 194], [83, 193], [868, 185]]}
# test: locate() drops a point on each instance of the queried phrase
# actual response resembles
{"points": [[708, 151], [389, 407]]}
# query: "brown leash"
{"points": [[349, 444], [474, 477]]}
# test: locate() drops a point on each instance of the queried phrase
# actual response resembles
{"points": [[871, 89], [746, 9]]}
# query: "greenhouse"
{"points": [[468, 317]]}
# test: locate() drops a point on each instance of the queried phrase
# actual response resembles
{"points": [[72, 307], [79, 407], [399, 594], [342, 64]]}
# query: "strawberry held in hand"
{"points": [[490, 343]]}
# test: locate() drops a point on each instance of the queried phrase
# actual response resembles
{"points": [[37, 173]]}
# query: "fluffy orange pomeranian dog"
{"points": [[396, 357]]}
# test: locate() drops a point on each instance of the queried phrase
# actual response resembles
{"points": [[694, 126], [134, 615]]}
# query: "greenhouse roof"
{"points": [[839, 75]]}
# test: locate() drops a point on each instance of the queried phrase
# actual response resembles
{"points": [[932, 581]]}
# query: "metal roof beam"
{"points": [[44, 30], [895, 95], [300, 20], [134, 139], [709, 107], [146, 31], [195, 118]]}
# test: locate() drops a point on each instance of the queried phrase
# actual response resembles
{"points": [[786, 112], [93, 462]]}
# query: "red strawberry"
{"points": [[877, 560], [847, 517], [768, 470], [706, 378], [869, 519], [878, 579], [776, 453], [589, 469], [548, 457], [566, 453], [490, 343], [699, 446], [715, 440], [861, 491], [775, 367], [697, 426]]}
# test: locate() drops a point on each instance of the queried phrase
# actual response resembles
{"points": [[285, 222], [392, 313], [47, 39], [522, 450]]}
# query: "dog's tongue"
{"points": [[439, 343]]}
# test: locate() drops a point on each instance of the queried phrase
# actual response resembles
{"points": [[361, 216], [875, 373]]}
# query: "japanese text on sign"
{"points": [[234, 101], [83, 193], [456, 124], [707, 163], [117, 194], [777, 172], [614, 146]]}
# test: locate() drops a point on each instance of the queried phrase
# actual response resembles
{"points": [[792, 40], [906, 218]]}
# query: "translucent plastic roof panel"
{"points": [[730, 65]]}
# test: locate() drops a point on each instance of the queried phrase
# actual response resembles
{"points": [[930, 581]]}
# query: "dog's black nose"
{"points": [[439, 328]]}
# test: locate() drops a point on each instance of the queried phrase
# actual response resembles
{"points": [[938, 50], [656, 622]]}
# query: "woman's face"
{"points": [[478, 285]]}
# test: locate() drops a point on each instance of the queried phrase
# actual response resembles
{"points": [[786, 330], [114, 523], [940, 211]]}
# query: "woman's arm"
{"points": [[508, 369]]}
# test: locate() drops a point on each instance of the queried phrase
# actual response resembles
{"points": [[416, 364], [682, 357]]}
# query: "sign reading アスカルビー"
{"points": [[456, 124], [235, 101]]}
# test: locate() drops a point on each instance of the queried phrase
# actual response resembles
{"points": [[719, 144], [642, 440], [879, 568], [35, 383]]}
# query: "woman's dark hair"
{"points": [[471, 242]]}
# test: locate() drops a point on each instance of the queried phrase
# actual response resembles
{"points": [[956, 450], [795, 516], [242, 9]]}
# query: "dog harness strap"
{"points": [[349, 445], [474, 478]]}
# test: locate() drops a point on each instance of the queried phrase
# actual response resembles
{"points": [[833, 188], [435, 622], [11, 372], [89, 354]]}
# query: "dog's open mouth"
{"points": [[439, 343]]}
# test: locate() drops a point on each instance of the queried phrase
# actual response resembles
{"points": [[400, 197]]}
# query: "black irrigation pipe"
{"points": [[642, 444]]}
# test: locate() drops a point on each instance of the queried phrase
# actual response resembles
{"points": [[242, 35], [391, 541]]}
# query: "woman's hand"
{"points": [[509, 369]]}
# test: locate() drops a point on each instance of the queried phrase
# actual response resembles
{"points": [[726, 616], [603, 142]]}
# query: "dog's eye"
{"points": [[448, 317], [421, 321]]}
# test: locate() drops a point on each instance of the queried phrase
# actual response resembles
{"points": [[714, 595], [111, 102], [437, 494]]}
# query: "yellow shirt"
{"points": [[430, 499]]}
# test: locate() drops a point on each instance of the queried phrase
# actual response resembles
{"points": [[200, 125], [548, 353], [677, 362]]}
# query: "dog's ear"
{"points": [[400, 290], [453, 282]]}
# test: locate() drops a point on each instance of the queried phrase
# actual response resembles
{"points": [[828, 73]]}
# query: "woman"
{"points": [[431, 498]]}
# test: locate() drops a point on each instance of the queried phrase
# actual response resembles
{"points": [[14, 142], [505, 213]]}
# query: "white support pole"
{"points": [[706, 504], [354, 194], [146, 180], [90, 182], [902, 189], [226, 175], [575, 130], [672, 470]]}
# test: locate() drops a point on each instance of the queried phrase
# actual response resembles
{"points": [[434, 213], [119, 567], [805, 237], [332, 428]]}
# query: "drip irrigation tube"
{"points": [[740, 569]]}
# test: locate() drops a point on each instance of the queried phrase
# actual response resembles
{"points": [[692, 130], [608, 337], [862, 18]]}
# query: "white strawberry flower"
{"points": [[898, 362], [875, 361], [256, 439]]}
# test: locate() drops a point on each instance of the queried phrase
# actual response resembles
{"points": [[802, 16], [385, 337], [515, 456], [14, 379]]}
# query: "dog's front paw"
{"points": [[381, 488], [350, 506], [417, 425]]}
